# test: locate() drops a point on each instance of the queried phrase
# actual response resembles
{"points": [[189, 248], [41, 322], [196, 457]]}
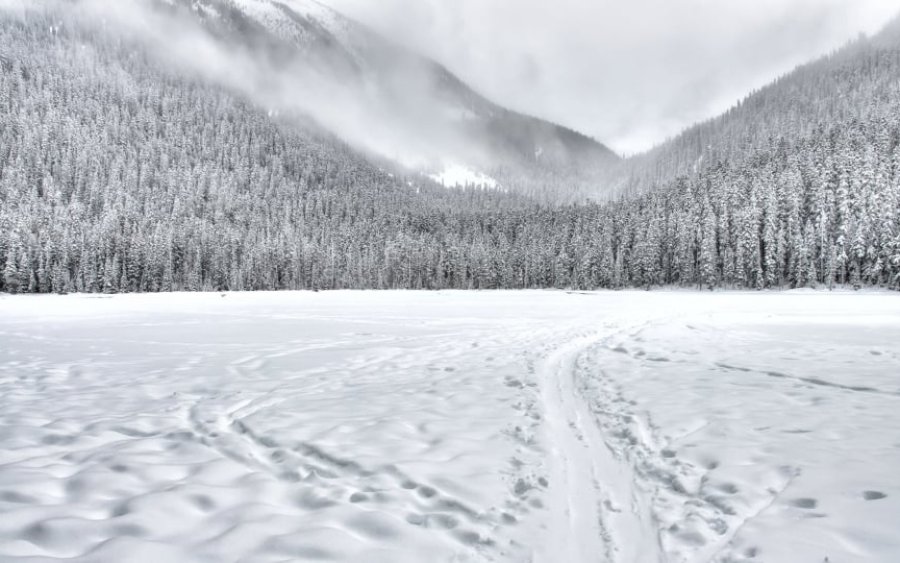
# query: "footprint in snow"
{"points": [[804, 503]]}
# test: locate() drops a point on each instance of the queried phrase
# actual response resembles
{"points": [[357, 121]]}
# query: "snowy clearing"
{"points": [[445, 426], [458, 176]]}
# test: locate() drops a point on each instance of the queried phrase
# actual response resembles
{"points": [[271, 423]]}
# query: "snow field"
{"points": [[450, 426]]}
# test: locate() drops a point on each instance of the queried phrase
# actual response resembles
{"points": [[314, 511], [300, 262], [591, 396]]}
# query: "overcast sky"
{"points": [[629, 72]]}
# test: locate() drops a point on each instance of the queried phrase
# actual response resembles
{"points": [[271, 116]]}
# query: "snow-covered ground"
{"points": [[520, 426]]}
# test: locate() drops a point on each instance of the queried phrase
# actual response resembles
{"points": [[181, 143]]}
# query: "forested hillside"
{"points": [[797, 185], [405, 106], [120, 174], [857, 83]]}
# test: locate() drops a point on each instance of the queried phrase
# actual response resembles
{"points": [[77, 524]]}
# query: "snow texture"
{"points": [[444, 426]]}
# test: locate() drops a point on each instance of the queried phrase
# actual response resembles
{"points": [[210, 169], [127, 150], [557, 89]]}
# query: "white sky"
{"points": [[629, 72]]}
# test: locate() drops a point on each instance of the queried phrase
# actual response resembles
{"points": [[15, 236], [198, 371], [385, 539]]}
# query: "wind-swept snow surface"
{"points": [[528, 426]]}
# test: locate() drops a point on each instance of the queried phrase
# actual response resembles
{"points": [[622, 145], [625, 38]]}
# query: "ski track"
{"points": [[597, 512]]}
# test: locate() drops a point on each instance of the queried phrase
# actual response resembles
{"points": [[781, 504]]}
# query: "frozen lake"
{"points": [[450, 426]]}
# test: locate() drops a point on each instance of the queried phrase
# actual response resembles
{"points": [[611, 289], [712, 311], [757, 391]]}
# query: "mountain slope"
{"points": [[798, 185], [419, 99], [854, 84]]}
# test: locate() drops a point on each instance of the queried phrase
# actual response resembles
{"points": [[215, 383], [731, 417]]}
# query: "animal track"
{"points": [[874, 495], [728, 488], [326, 480], [811, 381], [804, 503], [695, 512]]}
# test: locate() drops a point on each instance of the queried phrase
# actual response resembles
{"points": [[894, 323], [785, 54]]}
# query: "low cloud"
{"points": [[355, 111], [629, 73]]}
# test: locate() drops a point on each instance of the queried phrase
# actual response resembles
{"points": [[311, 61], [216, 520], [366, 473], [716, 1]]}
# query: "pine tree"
{"points": [[12, 281]]}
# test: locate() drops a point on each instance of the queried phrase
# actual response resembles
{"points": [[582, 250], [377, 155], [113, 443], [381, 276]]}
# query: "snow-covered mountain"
{"points": [[214, 145], [453, 125]]}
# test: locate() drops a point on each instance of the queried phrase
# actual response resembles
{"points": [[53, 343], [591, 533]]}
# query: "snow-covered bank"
{"points": [[450, 426]]}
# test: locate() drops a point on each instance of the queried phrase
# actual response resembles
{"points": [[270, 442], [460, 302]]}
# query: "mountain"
{"points": [[194, 148], [798, 185], [416, 98], [855, 84]]}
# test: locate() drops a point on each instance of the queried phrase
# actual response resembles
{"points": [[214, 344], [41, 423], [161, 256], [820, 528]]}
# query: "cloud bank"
{"points": [[629, 73], [356, 112]]}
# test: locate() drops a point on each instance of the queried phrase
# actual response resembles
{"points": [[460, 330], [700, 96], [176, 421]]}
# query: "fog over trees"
{"points": [[121, 174]]}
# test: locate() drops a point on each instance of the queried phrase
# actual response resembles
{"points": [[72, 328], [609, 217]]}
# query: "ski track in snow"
{"points": [[597, 513], [522, 426]]}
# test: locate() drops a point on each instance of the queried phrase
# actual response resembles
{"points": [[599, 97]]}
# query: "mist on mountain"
{"points": [[304, 63]]}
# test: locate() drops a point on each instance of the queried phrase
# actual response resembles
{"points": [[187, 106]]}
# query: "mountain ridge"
{"points": [[463, 124], [784, 106]]}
